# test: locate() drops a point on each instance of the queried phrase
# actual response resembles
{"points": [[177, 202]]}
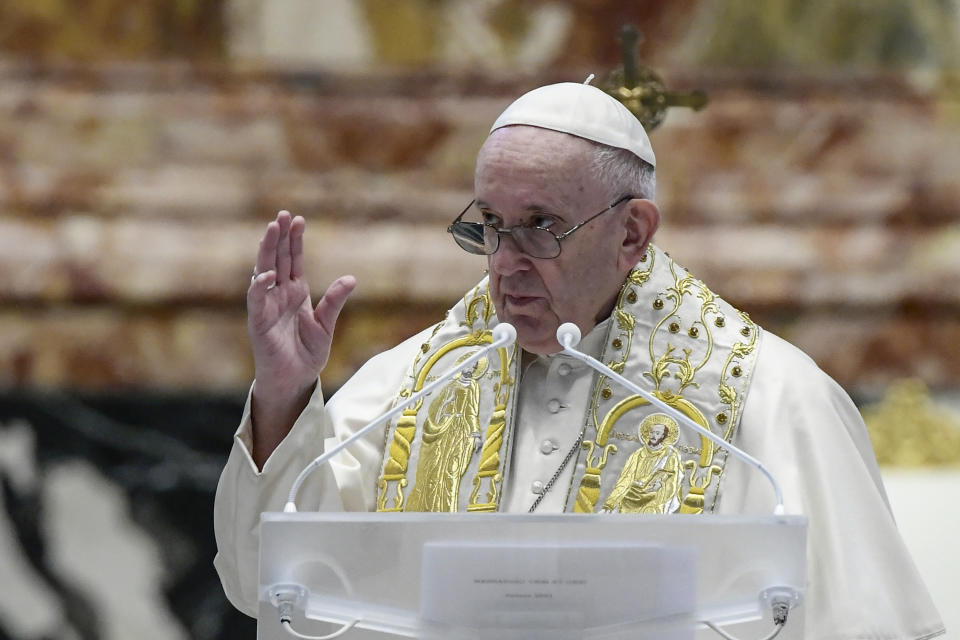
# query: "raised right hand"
{"points": [[290, 337]]}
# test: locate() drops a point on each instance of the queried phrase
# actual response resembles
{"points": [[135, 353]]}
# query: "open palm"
{"points": [[290, 337]]}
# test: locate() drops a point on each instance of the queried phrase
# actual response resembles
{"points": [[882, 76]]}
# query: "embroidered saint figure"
{"points": [[650, 480], [451, 436]]}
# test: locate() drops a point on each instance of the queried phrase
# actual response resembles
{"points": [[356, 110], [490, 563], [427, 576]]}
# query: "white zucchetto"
{"points": [[583, 111]]}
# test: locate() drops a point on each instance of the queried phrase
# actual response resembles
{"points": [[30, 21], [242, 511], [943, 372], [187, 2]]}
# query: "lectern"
{"points": [[426, 575]]}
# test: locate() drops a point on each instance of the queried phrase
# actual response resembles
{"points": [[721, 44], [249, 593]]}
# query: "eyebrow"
{"points": [[533, 209]]}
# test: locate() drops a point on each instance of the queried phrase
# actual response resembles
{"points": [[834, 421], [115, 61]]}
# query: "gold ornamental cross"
{"points": [[641, 90]]}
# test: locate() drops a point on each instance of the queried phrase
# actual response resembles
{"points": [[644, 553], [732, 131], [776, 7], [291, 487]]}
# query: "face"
{"points": [[528, 175], [657, 434]]}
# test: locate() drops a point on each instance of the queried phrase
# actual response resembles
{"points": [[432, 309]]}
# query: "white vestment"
{"points": [[862, 583]]}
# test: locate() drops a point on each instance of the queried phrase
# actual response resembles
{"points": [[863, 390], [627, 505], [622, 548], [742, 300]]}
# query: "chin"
{"points": [[541, 349], [540, 342], [535, 333]]}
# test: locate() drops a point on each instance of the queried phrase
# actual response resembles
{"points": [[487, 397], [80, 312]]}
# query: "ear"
{"points": [[640, 223]]}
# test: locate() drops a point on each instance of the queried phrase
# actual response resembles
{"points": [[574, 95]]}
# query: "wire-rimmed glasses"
{"points": [[483, 238]]}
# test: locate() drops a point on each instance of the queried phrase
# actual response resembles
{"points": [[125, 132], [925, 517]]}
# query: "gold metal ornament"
{"points": [[642, 90], [908, 429]]}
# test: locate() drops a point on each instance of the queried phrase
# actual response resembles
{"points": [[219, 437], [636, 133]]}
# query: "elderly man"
{"points": [[564, 211]]}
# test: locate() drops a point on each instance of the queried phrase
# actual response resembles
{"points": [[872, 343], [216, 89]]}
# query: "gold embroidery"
{"points": [[589, 491], [739, 351], [650, 480], [684, 372], [625, 323], [489, 468], [678, 365], [661, 369], [639, 277], [479, 311], [395, 469], [694, 501], [682, 286], [451, 436], [479, 306]]}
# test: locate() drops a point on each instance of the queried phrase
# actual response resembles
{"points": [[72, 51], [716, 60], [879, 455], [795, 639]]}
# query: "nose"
{"points": [[508, 259]]}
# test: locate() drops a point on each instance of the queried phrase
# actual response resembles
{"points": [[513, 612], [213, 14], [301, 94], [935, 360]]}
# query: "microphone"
{"points": [[504, 334], [568, 335]]}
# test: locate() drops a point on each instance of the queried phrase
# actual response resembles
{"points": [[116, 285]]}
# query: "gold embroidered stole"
{"points": [[454, 446], [669, 334]]}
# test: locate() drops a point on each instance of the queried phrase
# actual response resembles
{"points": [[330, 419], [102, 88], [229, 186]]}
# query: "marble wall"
{"points": [[143, 147]]}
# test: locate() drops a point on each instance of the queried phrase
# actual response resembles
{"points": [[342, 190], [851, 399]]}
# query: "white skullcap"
{"points": [[583, 111]]}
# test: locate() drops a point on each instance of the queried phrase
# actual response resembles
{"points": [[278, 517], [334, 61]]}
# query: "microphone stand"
{"points": [[568, 335], [504, 334]]}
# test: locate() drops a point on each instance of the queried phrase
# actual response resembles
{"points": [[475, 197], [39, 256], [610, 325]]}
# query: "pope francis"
{"points": [[564, 211]]}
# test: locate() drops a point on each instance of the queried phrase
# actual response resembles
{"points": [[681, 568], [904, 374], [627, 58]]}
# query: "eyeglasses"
{"points": [[483, 239]]}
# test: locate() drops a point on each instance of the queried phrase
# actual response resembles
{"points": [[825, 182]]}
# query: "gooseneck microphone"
{"points": [[568, 335], [504, 334]]}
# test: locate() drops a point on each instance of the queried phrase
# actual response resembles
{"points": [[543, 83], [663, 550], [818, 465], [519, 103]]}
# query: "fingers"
{"points": [[267, 255], [283, 248], [296, 246], [257, 293], [330, 305]]}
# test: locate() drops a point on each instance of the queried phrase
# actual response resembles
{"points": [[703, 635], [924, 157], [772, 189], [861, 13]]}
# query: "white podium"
{"points": [[428, 575]]}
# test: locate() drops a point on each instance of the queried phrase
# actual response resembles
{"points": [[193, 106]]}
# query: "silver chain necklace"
{"points": [[556, 474]]}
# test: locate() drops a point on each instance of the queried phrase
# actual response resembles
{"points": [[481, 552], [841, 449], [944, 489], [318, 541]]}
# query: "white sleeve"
{"points": [[861, 581], [347, 483]]}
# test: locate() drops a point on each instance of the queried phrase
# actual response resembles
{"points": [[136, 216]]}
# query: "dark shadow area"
{"points": [[165, 452]]}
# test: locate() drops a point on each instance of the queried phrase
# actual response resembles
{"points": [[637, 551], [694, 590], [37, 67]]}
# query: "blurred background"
{"points": [[145, 145]]}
